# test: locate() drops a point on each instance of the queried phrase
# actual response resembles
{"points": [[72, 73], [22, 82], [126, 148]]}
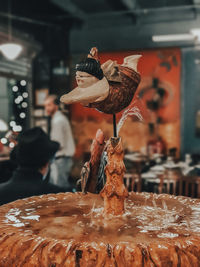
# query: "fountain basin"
{"points": [[71, 229]]}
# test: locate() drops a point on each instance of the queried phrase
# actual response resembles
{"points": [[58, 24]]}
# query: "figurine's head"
{"points": [[88, 72]]}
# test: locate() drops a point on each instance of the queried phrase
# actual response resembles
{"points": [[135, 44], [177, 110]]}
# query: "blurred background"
{"points": [[53, 35]]}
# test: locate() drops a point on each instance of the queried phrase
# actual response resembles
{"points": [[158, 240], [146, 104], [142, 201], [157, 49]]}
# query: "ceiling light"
{"points": [[173, 37], [3, 126], [196, 33], [11, 50]]}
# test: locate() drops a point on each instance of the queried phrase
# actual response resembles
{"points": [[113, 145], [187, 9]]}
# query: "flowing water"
{"points": [[81, 217], [132, 110]]}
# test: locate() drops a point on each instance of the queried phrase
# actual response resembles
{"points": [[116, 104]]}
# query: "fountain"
{"points": [[113, 228]]}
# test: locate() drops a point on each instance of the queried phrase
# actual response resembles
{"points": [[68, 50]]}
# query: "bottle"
{"points": [[160, 146], [188, 159], [151, 144]]}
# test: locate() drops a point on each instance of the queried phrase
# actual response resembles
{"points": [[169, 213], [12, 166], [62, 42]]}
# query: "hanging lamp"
{"points": [[10, 50]]}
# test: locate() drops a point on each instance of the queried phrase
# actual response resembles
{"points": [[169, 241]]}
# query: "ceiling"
{"points": [[66, 13], [42, 18]]}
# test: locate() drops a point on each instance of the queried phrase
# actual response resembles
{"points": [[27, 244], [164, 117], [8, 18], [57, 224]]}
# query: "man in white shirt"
{"points": [[62, 133]]}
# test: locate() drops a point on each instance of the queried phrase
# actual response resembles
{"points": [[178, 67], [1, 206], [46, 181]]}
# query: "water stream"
{"points": [[132, 110]]}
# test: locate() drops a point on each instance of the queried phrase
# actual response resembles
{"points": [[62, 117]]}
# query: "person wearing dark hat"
{"points": [[32, 154]]}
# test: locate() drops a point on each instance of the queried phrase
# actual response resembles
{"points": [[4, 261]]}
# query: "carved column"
{"points": [[114, 191]]}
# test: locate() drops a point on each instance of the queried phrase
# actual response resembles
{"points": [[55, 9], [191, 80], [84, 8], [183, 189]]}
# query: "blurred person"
{"points": [[60, 131], [7, 166], [32, 155]]}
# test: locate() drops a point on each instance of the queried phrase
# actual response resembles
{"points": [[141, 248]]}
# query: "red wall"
{"points": [[164, 64]]}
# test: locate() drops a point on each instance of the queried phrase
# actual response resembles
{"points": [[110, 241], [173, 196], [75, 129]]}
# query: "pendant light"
{"points": [[10, 49], [3, 126]]}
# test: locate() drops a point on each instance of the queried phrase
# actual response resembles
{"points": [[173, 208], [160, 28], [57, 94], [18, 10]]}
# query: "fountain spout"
{"points": [[114, 191]]}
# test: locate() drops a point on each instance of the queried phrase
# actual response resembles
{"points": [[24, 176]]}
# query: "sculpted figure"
{"points": [[109, 87]]}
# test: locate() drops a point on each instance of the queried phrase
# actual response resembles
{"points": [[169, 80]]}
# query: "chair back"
{"points": [[133, 182], [169, 181], [190, 186]]}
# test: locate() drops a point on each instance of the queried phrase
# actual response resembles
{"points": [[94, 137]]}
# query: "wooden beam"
{"points": [[130, 4], [71, 8]]}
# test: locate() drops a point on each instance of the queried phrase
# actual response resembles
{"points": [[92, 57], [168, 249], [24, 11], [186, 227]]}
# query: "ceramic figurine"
{"points": [[89, 172], [109, 87]]}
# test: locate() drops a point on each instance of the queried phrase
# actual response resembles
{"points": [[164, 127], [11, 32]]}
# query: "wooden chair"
{"points": [[188, 184], [169, 181], [133, 182]]}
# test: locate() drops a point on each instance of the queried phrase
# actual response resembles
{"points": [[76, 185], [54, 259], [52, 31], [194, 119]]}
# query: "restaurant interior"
{"points": [[100, 133], [160, 135]]}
